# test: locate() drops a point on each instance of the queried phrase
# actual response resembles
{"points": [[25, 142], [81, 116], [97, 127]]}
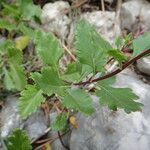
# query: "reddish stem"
{"points": [[125, 65]]}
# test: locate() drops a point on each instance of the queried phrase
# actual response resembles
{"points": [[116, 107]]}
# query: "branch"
{"points": [[125, 65]]}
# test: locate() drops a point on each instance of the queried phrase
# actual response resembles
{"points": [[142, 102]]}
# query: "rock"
{"points": [[56, 145], [55, 19], [10, 118], [135, 14], [35, 125], [143, 65], [104, 23], [106, 130]]}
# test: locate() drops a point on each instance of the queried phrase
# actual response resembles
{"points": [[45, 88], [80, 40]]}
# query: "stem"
{"points": [[61, 141], [125, 65]]}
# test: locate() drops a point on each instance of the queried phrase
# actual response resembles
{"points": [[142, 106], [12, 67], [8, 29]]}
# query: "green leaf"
{"points": [[76, 72], [120, 41], [117, 97], [15, 78], [26, 30], [11, 10], [7, 44], [31, 98], [92, 48], [19, 140], [4, 24], [60, 122], [27, 6], [50, 82], [15, 56], [141, 44], [118, 55], [78, 99], [48, 48]]}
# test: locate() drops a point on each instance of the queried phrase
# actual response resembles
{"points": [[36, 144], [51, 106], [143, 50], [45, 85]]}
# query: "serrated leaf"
{"points": [[15, 56], [15, 78], [119, 42], [11, 10], [117, 97], [141, 44], [22, 42], [50, 82], [78, 99], [27, 6], [31, 98], [92, 48], [4, 24], [7, 44], [60, 122], [19, 140], [26, 30], [48, 48]]}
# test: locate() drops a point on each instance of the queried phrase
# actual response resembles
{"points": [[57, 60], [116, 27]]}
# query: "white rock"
{"points": [[131, 11], [35, 125], [55, 19], [106, 130], [144, 65], [104, 23]]}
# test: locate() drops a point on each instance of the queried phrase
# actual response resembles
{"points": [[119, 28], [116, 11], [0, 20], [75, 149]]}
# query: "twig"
{"points": [[102, 5], [50, 141], [61, 141], [125, 65], [69, 52], [117, 17], [79, 4]]}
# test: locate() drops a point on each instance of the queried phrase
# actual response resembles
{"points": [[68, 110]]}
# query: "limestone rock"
{"points": [[55, 19]]}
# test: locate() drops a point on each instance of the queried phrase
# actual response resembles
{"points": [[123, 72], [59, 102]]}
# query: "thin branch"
{"points": [[125, 65], [77, 5], [103, 5], [61, 141], [69, 52]]}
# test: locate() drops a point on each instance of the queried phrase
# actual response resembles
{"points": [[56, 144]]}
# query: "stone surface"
{"points": [[104, 23], [56, 145], [106, 130], [35, 125], [55, 19], [143, 65], [135, 14]]}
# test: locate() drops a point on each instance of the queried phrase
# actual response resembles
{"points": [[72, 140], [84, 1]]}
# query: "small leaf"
{"points": [[78, 99], [120, 41], [31, 98], [26, 6], [22, 42], [11, 10], [15, 78], [7, 44], [48, 48], [118, 55], [117, 97], [76, 72], [4, 24], [141, 44], [60, 122], [15, 56], [19, 140], [92, 48]]}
